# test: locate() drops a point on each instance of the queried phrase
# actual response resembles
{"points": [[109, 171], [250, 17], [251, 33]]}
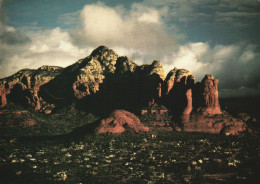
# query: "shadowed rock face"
{"points": [[157, 117], [178, 91], [104, 81]]}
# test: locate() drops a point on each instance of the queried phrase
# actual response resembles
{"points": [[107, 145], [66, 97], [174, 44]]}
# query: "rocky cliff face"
{"points": [[178, 91], [206, 95], [105, 81], [23, 87]]}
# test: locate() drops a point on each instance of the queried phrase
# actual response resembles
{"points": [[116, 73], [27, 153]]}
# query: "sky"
{"points": [[220, 37]]}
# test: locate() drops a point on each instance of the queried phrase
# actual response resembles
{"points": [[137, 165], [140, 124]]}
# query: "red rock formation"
{"points": [[23, 86], [88, 79], [178, 91], [207, 96], [119, 121], [223, 123], [34, 100], [151, 78], [188, 107], [3, 100]]}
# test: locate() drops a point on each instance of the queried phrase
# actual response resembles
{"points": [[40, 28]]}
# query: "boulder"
{"points": [[120, 121]]}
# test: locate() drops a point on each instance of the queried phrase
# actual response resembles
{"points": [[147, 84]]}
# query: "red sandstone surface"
{"points": [[222, 123], [120, 121], [210, 95]]}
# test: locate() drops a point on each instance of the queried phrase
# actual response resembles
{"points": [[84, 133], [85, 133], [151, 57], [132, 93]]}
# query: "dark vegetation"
{"points": [[235, 105], [60, 149]]}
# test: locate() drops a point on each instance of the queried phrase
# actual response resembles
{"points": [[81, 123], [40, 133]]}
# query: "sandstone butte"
{"points": [[105, 81]]}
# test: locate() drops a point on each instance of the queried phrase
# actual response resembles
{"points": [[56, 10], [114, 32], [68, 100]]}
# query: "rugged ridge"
{"points": [[23, 87], [112, 82], [105, 81]]}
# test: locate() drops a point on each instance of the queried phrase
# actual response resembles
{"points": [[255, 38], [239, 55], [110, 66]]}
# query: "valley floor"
{"points": [[48, 153]]}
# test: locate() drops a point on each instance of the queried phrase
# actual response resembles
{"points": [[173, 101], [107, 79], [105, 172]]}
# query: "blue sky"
{"points": [[204, 36]]}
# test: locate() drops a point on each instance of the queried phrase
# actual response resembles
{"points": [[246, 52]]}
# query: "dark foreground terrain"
{"points": [[57, 149]]}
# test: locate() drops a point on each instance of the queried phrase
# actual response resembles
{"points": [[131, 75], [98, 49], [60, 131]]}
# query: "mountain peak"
{"points": [[107, 57], [102, 50]]}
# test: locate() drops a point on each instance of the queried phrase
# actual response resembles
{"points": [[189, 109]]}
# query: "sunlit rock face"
{"points": [[206, 96], [119, 121], [219, 123], [3, 100], [91, 71]]}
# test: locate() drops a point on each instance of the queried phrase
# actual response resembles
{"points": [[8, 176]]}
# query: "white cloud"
{"points": [[51, 47], [232, 12], [188, 57], [234, 65], [102, 23], [139, 29], [140, 33], [152, 16]]}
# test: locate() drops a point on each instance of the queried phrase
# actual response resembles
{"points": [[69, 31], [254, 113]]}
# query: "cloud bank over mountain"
{"points": [[198, 36]]}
